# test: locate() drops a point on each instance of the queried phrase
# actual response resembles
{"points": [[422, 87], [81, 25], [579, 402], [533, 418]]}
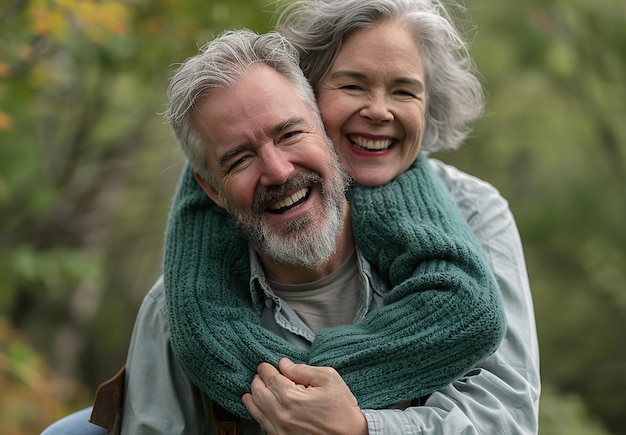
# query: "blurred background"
{"points": [[88, 169]]}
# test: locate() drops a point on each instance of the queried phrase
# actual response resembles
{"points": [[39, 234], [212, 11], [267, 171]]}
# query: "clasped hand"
{"points": [[303, 399]]}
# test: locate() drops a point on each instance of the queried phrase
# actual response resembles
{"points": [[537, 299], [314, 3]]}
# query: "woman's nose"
{"points": [[377, 110]]}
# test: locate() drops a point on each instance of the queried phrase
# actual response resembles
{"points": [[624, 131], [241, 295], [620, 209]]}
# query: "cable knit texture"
{"points": [[442, 315]]}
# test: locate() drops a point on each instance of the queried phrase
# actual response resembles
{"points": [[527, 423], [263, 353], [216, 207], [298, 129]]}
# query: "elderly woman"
{"points": [[393, 78]]}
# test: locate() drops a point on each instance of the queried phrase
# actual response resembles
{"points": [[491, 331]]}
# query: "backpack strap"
{"points": [[226, 423], [108, 402], [107, 406]]}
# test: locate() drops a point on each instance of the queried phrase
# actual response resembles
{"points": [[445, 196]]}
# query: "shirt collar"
{"points": [[262, 294]]}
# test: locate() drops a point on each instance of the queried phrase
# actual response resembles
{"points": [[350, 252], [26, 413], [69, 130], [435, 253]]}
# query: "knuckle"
{"points": [[329, 373]]}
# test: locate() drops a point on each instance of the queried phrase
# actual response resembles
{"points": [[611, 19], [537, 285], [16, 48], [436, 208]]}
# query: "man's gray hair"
{"points": [[220, 64], [454, 96]]}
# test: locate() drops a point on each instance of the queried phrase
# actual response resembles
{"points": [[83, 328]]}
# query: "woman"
{"points": [[358, 55]]}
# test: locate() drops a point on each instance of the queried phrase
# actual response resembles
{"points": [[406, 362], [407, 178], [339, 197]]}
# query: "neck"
{"points": [[290, 274]]}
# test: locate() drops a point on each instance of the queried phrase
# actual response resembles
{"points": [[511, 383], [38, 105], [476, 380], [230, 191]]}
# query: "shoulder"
{"points": [[471, 194], [461, 183], [154, 304]]}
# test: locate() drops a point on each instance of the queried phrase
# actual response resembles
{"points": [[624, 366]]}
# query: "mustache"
{"points": [[300, 179]]}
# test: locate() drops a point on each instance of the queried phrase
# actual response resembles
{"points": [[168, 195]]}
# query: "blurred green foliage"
{"points": [[88, 168], [553, 140], [32, 394]]}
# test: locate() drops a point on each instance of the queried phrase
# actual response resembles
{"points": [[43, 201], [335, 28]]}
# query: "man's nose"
{"points": [[276, 167]]}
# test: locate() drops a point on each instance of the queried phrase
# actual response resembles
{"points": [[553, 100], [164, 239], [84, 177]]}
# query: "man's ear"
{"points": [[208, 188]]}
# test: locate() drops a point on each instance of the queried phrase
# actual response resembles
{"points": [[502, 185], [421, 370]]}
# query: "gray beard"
{"points": [[305, 242], [300, 242]]}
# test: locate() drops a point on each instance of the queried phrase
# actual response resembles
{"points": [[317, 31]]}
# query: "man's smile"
{"points": [[291, 202]]}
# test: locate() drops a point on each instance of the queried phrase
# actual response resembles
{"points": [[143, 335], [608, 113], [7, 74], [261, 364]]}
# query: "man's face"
{"points": [[273, 169]]}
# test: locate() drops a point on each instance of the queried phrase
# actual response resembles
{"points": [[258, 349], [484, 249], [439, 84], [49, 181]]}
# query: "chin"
{"points": [[371, 180]]}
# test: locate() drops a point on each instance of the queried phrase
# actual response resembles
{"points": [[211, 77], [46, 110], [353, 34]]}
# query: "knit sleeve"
{"points": [[443, 313], [215, 332]]}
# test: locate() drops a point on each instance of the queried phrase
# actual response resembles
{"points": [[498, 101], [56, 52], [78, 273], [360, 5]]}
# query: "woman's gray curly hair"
{"points": [[454, 95]]}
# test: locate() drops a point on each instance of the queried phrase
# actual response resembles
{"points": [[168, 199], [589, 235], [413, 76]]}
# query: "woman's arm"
{"points": [[502, 395], [443, 313]]}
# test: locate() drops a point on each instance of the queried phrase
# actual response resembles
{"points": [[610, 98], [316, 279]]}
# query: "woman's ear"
{"points": [[210, 191]]}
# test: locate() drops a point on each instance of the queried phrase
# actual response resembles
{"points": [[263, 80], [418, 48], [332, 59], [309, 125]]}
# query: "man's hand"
{"points": [[303, 399]]}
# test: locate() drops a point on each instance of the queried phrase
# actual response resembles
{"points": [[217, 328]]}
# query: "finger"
{"points": [[293, 372], [259, 391], [306, 375], [256, 412], [269, 395], [272, 379], [284, 364], [248, 402], [266, 369]]}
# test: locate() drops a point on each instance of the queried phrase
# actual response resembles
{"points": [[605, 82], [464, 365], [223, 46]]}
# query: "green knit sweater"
{"points": [[442, 315]]}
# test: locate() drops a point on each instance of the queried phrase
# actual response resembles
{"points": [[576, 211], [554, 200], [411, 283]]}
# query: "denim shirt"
{"points": [[500, 396]]}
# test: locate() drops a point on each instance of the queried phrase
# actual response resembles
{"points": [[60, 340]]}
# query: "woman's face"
{"points": [[373, 102]]}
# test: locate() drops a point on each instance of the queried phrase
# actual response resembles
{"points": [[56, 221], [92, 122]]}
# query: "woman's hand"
{"points": [[303, 399]]}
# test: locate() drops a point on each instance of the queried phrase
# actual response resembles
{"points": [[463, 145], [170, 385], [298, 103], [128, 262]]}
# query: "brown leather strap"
{"points": [[107, 406], [107, 409], [226, 423]]}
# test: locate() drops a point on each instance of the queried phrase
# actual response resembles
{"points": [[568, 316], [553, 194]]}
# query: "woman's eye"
{"points": [[350, 87], [405, 93]]}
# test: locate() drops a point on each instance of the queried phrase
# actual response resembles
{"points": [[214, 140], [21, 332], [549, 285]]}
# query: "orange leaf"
{"points": [[4, 69], [6, 122]]}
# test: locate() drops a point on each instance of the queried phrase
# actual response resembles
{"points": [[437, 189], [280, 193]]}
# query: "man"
{"points": [[273, 169]]}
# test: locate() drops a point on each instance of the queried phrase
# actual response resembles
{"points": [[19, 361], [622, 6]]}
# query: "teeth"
{"points": [[289, 201], [368, 144]]}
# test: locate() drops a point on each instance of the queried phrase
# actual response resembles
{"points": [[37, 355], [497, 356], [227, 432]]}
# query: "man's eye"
{"points": [[236, 162], [291, 134]]}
